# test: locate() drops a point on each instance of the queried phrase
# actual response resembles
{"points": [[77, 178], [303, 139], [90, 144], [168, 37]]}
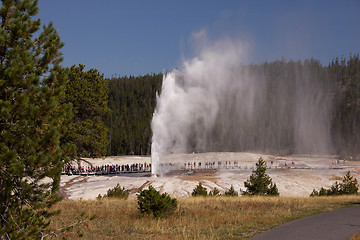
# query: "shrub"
{"points": [[199, 191], [260, 183], [349, 185], [215, 192], [150, 201], [334, 190], [231, 192], [314, 193], [322, 192], [116, 192]]}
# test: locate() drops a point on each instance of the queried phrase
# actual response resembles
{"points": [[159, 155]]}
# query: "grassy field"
{"points": [[196, 218]]}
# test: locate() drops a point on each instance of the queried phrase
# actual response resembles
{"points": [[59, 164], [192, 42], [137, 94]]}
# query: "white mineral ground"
{"points": [[298, 179]]}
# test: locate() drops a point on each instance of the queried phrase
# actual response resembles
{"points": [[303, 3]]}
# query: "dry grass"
{"points": [[335, 178], [355, 237], [196, 218]]}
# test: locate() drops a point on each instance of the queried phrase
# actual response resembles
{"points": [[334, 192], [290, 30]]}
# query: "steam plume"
{"points": [[214, 103]]}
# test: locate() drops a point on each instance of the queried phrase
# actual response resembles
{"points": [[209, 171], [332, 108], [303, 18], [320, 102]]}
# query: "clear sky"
{"points": [[136, 37]]}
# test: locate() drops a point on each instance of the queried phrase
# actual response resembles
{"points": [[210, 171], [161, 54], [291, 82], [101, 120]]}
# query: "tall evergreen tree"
{"points": [[31, 85], [87, 91], [260, 183]]}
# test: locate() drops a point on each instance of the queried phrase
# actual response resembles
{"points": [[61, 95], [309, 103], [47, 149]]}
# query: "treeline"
{"points": [[346, 113], [279, 107], [132, 101], [300, 107]]}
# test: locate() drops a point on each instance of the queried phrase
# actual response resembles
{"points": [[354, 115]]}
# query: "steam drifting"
{"points": [[214, 103]]}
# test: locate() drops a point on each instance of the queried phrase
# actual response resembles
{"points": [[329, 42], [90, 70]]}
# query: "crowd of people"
{"points": [[107, 169], [146, 167], [211, 165]]}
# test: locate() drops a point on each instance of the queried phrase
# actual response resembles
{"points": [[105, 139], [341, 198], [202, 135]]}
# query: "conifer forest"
{"points": [[132, 101]]}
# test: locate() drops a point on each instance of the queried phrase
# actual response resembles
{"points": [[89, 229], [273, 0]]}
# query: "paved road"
{"points": [[337, 225]]}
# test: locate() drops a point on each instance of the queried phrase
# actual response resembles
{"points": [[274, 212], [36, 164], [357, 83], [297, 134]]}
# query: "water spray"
{"points": [[216, 103]]}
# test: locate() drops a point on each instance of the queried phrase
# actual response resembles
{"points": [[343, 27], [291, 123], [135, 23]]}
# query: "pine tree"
{"points": [[151, 202], [231, 192], [348, 186], [31, 85], [215, 192], [199, 190], [260, 183], [87, 91]]}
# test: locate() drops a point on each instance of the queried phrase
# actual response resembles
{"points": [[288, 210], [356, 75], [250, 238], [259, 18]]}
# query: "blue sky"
{"points": [[149, 36]]}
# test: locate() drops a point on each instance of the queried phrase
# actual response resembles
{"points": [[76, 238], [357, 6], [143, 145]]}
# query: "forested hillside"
{"points": [[335, 87], [132, 101], [346, 115]]}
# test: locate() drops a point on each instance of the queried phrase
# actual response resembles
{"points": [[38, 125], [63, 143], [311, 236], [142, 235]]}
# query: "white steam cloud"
{"points": [[214, 103]]}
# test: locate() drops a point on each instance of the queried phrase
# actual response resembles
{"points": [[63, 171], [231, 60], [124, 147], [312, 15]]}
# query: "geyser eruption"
{"points": [[214, 103]]}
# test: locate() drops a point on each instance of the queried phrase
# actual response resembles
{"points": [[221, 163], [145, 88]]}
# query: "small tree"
{"points": [[349, 185], [260, 183], [321, 192], [199, 191], [314, 193], [150, 201], [215, 192], [231, 192], [334, 190]]}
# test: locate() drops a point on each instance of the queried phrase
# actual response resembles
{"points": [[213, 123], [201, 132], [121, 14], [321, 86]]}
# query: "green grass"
{"points": [[196, 217]]}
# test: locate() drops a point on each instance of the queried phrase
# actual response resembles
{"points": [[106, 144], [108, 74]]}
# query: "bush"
{"points": [[231, 192], [322, 191], [348, 186], [260, 183], [152, 202], [199, 191], [215, 192], [116, 192]]}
